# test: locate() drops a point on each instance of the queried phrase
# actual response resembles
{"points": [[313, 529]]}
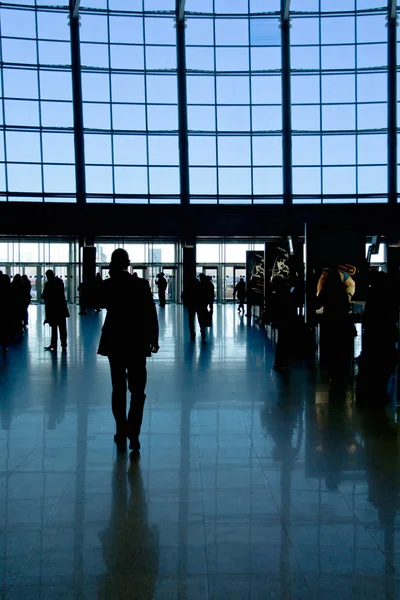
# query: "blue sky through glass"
{"points": [[233, 53]]}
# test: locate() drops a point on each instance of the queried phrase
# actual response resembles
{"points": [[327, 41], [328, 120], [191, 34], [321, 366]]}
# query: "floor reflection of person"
{"points": [[55, 400], [336, 442], [130, 544]]}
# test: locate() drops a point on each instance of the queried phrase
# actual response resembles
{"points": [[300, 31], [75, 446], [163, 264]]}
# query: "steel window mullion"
{"points": [[39, 100], [392, 105], [111, 102], [215, 103], [286, 110], [77, 105], [356, 94], [320, 102], [4, 118], [250, 109], [146, 116], [182, 106]]}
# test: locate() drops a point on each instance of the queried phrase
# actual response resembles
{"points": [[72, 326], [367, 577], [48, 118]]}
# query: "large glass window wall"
{"points": [[130, 112], [234, 101], [37, 147], [339, 100]]}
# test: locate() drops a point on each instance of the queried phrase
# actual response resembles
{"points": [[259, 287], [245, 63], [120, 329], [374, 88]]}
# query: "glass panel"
{"points": [[306, 150], [339, 180], [307, 180], [59, 179], [207, 253], [164, 180], [234, 150], [268, 181], [234, 181], [136, 252], [130, 150], [59, 253], [29, 252], [372, 149], [339, 149], [202, 150], [131, 180], [203, 180]]}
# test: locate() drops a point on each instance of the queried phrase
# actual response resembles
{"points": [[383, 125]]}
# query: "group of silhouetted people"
{"points": [[15, 297], [130, 331], [337, 329], [198, 296]]}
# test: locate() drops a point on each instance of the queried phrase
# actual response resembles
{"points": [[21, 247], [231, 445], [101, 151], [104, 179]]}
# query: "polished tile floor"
{"points": [[250, 485]]}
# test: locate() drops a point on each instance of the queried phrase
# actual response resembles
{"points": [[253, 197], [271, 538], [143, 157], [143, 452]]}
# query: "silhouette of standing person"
{"points": [[97, 291], [26, 298], [18, 304], [83, 290], [193, 296], [5, 310], [337, 336], [210, 293], [378, 357], [130, 545], [129, 335], [240, 291], [283, 319], [56, 310], [161, 284]]}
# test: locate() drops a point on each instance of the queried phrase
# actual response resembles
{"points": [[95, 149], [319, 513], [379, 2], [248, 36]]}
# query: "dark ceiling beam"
{"points": [[60, 219]]}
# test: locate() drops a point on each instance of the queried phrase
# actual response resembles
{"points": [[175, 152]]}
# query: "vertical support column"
{"points": [[286, 105], [89, 262], [38, 284], [392, 101], [77, 103], [182, 102], [189, 259]]}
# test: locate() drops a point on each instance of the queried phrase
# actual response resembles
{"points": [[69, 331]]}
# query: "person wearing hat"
{"points": [[129, 335]]}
